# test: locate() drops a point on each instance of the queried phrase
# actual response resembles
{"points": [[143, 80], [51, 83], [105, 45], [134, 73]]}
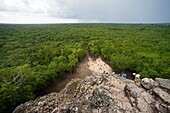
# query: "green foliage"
{"points": [[32, 56]]}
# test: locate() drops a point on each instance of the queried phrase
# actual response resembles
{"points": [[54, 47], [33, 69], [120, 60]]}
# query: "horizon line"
{"points": [[95, 23]]}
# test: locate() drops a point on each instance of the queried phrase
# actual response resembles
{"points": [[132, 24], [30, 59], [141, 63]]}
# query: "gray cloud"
{"points": [[90, 10], [123, 10]]}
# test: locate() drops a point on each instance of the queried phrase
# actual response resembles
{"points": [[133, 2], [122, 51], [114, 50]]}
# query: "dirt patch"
{"points": [[85, 68], [98, 66]]}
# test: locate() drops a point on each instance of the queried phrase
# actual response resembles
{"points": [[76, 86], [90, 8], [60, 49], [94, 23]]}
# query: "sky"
{"points": [[84, 11]]}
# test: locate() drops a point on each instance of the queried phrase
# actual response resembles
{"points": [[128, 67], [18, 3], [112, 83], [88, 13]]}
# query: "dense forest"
{"points": [[32, 56]]}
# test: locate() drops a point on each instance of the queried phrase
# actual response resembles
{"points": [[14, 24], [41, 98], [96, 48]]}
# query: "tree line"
{"points": [[32, 56]]}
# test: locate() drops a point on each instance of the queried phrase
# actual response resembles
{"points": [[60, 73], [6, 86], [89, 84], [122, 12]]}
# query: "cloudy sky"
{"points": [[84, 11]]}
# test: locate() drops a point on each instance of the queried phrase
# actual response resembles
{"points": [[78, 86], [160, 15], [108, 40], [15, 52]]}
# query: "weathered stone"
{"points": [[133, 90], [168, 108], [148, 83], [164, 83], [162, 95], [147, 97], [19, 109], [142, 105], [163, 108], [139, 98], [99, 94]]}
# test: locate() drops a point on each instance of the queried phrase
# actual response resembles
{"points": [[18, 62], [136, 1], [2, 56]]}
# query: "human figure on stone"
{"points": [[123, 75], [137, 78]]}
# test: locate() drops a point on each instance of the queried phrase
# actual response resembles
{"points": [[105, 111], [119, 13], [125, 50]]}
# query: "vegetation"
{"points": [[32, 56]]}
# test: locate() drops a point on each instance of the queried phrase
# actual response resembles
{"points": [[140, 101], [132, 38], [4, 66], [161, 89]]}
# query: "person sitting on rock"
{"points": [[137, 78], [123, 75]]}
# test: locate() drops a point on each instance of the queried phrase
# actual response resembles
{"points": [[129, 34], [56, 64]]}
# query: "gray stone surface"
{"points": [[139, 98], [164, 83], [148, 83], [162, 95], [99, 94]]}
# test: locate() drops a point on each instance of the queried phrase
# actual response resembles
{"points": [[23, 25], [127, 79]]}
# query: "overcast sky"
{"points": [[84, 11]]}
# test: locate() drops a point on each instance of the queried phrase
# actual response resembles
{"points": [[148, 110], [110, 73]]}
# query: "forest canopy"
{"points": [[32, 56]]}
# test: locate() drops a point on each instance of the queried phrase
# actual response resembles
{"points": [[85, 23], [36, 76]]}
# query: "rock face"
{"points": [[164, 83], [101, 94], [148, 83]]}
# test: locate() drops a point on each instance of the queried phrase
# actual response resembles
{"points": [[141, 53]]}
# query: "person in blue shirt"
{"points": [[123, 75]]}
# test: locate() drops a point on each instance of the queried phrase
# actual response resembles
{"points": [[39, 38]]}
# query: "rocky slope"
{"points": [[104, 94]]}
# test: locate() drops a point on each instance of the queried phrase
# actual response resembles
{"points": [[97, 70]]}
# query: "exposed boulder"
{"points": [[164, 83], [139, 98], [148, 83], [99, 94], [164, 96]]}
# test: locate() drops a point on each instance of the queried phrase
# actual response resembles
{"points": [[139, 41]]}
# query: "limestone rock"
{"points": [[162, 95], [164, 83], [99, 94], [148, 83], [139, 98]]}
